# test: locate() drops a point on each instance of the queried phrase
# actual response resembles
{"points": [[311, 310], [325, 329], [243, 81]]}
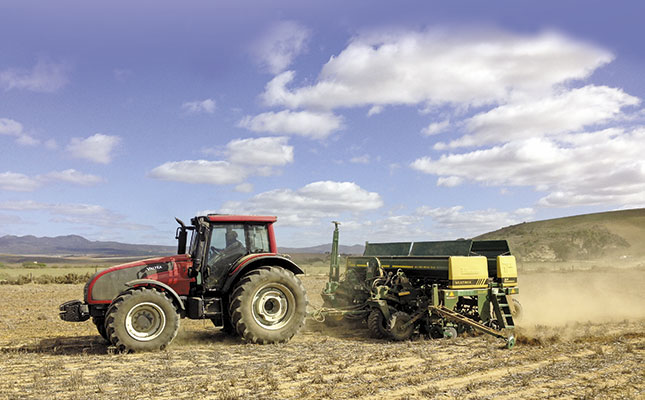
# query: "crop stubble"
{"points": [[581, 351]]}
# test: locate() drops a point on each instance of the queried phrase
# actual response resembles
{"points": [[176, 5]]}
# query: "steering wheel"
{"points": [[212, 252]]}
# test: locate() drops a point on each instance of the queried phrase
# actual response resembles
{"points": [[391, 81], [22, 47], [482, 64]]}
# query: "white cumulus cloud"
{"points": [[9, 127], [279, 46], [17, 182], [597, 168], [200, 171], [45, 76], [97, 148], [439, 67], [315, 125], [449, 181], [435, 128], [310, 203], [245, 158], [536, 122], [568, 111], [199, 106], [72, 176], [269, 151], [75, 209]]}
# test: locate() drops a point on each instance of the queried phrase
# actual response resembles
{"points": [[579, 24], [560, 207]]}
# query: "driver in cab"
{"points": [[220, 260], [233, 246]]}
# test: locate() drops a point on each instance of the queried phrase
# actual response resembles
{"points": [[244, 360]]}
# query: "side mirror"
{"points": [[181, 237]]}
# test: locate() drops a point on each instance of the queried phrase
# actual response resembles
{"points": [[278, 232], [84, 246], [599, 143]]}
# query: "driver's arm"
{"points": [[214, 254]]}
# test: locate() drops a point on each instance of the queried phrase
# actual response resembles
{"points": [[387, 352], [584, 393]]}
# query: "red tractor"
{"points": [[231, 274]]}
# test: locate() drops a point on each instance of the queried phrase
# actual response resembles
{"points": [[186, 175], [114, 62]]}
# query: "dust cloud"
{"points": [[560, 298]]}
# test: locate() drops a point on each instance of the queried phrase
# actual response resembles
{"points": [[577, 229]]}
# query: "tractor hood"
{"points": [[105, 285]]}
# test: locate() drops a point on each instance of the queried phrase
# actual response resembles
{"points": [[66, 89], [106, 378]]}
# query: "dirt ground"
{"points": [[583, 337]]}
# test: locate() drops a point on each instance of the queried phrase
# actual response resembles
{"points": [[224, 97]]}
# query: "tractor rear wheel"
{"points": [[141, 319], [377, 325], [268, 305]]}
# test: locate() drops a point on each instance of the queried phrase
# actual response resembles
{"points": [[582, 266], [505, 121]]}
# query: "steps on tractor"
{"points": [[502, 310]]}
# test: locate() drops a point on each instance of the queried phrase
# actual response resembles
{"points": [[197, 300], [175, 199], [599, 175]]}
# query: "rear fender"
{"points": [[159, 285], [247, 264]]}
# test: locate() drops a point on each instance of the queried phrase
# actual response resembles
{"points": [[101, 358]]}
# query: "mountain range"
{"points": [[75, 245], [615, 234], [323, 248]]}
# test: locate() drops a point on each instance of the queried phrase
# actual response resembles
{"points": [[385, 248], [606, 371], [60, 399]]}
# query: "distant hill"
{"points": [[77, 245], [323, 248], [615, 234]]}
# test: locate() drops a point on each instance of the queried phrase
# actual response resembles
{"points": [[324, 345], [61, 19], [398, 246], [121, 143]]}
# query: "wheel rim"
{"points": [[273, 306], [145, 321]]}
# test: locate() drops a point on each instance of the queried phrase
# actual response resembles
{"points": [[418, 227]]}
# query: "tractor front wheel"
{"points": [[100, 327], [142, 319], [268, 305]]}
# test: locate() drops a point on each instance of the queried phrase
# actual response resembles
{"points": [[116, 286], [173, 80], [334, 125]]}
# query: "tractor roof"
{"points": [[241, 218]]}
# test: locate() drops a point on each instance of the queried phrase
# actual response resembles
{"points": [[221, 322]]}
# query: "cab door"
{"points": [[227, 244]]}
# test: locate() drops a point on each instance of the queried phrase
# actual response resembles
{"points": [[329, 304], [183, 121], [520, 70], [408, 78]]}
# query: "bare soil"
{"points": [[583, 338]]}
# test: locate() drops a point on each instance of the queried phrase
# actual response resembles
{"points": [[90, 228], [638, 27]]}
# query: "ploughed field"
{"points": [[583, 336]]}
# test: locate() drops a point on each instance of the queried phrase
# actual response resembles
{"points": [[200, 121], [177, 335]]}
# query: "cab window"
{"points": [[258, 239], [225, 235]]}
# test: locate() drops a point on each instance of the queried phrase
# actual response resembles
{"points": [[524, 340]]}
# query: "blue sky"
{"points": [[424, 122]]}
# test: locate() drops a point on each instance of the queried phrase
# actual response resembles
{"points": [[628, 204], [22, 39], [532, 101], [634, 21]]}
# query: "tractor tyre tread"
{"points": [[100, 327], [240, 305], [116, 314]]}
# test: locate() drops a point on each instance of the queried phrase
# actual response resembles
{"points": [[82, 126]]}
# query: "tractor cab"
{"points": [[220, 241]]}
